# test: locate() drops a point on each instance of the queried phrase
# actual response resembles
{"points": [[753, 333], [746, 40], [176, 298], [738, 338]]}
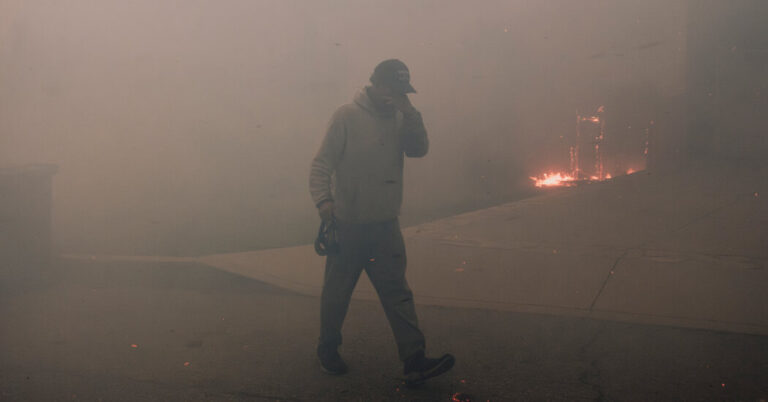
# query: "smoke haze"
{"points": [[187, 127]]}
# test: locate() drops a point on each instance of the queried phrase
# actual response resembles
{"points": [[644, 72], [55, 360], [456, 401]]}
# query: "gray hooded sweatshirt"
{"points": [[360, 163]]}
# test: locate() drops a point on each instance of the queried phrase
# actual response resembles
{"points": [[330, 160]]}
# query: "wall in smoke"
{"points": [[728, 80], [184, 127]]}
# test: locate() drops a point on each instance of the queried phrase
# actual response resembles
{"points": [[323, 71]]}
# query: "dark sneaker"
{"points": [[420, 368], [331, 362]]}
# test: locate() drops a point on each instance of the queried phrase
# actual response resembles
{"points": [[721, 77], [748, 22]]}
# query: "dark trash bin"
{"points": [[25, 219]]}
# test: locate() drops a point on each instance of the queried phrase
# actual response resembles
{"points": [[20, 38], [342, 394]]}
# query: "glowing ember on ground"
{"points": [[461, 397], [133, 345], [186, 364], [561, 179], [553, 180]]}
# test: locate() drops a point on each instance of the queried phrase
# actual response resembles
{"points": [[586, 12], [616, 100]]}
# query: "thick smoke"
{"points": [[187, 127]]}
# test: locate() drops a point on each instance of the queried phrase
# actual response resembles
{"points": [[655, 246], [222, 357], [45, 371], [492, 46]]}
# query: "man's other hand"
{"points": [[326, 211]]}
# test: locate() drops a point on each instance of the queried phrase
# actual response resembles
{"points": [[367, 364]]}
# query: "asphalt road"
{"points": [[183, 332]]}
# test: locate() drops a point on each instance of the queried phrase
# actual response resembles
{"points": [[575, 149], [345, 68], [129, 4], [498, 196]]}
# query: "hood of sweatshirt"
{"points": [[362, 99]]}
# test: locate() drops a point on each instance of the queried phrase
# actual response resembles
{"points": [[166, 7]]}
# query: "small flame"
{"points": [[560, 179], [553, 179]]}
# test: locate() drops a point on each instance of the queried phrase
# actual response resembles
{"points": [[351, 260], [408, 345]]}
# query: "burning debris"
{"points": [[586, 154], [554, 179]]}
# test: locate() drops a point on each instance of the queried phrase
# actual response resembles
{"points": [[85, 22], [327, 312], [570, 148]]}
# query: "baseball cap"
{"points": [[394, 74]]}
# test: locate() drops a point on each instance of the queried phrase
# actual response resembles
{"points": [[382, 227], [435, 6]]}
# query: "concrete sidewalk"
{"points": [[687, 249], [157, 331]]}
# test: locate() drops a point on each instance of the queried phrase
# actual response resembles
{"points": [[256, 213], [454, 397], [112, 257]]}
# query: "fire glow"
{"points": [[560, 179], [554, 180], [594, 170]]}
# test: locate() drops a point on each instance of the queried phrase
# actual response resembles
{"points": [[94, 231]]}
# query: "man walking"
{"points": [[356, 182]]}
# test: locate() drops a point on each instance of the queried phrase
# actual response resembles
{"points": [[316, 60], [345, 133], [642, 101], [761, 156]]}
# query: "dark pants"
{"points": [[379, 249]]}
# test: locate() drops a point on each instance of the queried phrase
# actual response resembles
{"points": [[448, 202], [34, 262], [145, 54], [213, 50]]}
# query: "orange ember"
{"points": [[561, 179], [460, 397], [553, 180]]}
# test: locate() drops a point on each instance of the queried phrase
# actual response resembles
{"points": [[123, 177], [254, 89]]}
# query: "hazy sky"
{"points": [[188, 126]]}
